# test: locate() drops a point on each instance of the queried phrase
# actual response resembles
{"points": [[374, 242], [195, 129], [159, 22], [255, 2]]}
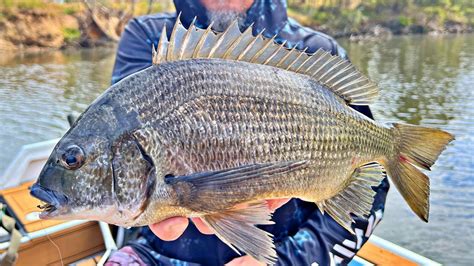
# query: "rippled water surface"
{"points": [[38, 91], [424, 80], [429, 81]]}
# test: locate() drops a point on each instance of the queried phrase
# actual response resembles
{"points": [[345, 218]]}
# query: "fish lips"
{"points": [[54, 200]]}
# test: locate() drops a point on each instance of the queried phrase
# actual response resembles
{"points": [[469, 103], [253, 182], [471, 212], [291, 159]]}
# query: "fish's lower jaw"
{"points": [[57, 212]]}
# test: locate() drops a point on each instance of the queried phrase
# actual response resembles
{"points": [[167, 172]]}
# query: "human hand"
{"points": [[172, 228]]}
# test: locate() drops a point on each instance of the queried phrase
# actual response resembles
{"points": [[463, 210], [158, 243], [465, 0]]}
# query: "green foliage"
{"points": [[438, 13], [23, 4], [322, 17], [350, 14], [70, 10], [405, 21], [6, 3], [141, 6], [354, 17], [345, 19], [71, 34], [454, 13], [470, 15]]}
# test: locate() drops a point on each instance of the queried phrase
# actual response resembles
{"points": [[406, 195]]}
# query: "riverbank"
{"points": [[35, 29], [35, 25], [360, 20]]}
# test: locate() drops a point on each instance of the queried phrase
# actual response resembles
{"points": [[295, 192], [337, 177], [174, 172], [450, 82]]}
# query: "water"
{"points": [[424, 80], [429, 81], [38, 91]]}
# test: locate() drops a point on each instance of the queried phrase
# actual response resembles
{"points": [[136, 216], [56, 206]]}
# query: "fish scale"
{"points": [[220, 101]]}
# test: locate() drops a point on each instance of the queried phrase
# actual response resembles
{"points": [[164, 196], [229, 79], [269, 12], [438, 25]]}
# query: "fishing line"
{"points": [[52, 242]]}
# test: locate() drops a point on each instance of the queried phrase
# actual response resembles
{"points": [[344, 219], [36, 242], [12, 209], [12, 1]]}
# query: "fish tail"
{"points": [[415, 147]]}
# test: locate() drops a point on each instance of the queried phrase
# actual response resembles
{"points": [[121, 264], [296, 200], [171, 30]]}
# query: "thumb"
{"points": [[170, 229]]}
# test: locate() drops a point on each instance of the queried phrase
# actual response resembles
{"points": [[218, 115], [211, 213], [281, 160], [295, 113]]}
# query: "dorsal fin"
{"points": [[336, 73]]}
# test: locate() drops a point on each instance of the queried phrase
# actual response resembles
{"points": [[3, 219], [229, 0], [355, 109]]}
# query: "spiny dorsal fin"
{"points": [[334, 72], [357, 198]]}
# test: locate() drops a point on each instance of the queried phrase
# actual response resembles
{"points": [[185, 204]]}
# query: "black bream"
{"points": [[229, 118]]}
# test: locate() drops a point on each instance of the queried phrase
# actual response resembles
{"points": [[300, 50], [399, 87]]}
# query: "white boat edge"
{"points": [[401, 251], [27, 165]]}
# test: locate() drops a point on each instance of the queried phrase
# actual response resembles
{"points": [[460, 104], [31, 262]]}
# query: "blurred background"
{"points": [[56, 57]]}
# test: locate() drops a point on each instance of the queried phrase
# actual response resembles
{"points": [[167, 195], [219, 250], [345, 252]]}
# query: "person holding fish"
{"points": [[225, 125], [305, 235]]}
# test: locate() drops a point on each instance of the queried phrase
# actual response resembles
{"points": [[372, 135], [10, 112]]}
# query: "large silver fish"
{"points": [[227, 118]]}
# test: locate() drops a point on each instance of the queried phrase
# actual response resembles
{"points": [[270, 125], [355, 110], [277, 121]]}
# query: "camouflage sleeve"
{"points": [[322, 241]]}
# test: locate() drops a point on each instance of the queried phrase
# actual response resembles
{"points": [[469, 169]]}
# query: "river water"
{"points": [[423, 79]]}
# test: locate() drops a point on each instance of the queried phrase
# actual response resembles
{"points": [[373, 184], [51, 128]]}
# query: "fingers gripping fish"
{"points": [[227, 118]]}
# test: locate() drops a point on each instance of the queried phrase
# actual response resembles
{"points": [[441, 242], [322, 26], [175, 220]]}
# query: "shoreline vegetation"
{"points": [[36, 25], [359, 19]]}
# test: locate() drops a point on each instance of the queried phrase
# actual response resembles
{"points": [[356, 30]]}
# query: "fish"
{"points": [[223, 121]]}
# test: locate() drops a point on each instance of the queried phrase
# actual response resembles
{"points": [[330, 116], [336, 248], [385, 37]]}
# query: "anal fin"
{"points": [[357, 198], [236, 228]]}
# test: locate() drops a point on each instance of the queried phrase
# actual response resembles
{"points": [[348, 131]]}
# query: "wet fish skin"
{"points": [[220, 120], [205, 115]]}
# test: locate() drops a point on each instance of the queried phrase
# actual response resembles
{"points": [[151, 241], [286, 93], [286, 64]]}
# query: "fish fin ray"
{"points": [[320, 205], [330, 70], [159, 55], [225, 41], [420, 147], [186, 39], [239, 45], [175, 41], [236, 228], [199, 191], [200, 42], [358, 196]]}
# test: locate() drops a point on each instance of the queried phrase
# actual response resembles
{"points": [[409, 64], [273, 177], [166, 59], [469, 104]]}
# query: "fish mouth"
{"points": [[52, 200]]}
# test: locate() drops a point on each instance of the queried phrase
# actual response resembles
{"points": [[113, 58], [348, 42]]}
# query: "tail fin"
{"points": [[416, 146]]}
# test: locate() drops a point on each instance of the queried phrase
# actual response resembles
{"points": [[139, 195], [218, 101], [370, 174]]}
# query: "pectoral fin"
{"points": [[206, 190], [357, 198], [237, 229]]}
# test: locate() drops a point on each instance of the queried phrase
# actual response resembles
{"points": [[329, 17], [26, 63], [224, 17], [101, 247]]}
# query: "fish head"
{"points": [[76, 178], [96, 171]]}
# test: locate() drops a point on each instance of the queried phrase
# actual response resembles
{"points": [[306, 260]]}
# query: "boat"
{"points": [[38, 242]]}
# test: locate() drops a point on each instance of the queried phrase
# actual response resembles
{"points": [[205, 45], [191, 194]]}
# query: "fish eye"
{"points": [[73, 157]]}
